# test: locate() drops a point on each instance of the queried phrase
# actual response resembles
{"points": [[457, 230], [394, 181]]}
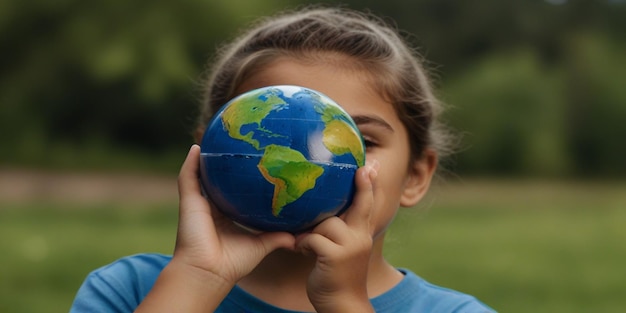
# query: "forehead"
{"points": [[352, 89]]}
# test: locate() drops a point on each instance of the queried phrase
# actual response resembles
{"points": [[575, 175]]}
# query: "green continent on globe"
{"points": [[290, 173], [340, 136], [249, 110]]}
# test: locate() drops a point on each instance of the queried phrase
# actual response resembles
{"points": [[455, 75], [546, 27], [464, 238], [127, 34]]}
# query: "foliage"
{"points": [[514, 116], [125, 77], [113, 74], [523, 116], [596, 113]]}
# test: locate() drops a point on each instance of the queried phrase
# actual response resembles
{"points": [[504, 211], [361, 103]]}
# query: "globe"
{"points": [[281, 158]]}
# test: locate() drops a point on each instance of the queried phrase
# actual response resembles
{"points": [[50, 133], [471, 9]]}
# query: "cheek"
{"points": [[381, 220], [387, 193], [392, 176]]}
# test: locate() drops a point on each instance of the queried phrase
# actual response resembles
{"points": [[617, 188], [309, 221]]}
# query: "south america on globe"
{"points": [[281, 158]]}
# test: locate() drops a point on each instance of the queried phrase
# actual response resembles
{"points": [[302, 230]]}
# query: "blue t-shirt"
{"points": [[123, 284]]}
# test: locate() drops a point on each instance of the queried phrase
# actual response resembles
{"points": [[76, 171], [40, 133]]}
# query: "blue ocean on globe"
{"points": [[281, 158]]}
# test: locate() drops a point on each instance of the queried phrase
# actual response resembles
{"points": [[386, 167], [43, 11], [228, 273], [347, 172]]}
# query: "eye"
{"points": [[369, 142]]}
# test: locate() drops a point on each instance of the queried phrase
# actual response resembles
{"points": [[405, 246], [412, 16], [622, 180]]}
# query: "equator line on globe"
{"points": [[281, 158]]}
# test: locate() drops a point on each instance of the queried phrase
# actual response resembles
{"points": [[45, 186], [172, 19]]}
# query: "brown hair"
{"points": [[327, 35]]}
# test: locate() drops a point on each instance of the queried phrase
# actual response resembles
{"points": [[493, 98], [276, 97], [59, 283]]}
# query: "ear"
{"points": [[420, 175]]}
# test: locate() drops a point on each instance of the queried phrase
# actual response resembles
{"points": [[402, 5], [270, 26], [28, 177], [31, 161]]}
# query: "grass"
{"points": [[518, 246], [522, 247], [49, 249]]}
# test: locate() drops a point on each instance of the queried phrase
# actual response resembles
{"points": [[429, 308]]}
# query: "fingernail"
{"points": [[373, 173]]}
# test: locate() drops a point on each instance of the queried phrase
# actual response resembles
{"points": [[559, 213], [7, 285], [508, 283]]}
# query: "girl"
{"points": [[365, 66]]}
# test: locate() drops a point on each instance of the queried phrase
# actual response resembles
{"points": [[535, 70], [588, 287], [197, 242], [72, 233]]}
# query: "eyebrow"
{"points": [[368, 119]]}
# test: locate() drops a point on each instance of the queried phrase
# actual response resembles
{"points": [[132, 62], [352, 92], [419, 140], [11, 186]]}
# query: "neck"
{"points": [[280, 279]]}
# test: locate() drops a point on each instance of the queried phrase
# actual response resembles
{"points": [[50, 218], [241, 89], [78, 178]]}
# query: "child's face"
{"points": [[385, 136]]}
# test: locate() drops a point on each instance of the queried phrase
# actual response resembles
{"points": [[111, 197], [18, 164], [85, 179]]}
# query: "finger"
{"points": [[275, 240], [335, 229], [188, 176], [359, 214], [194, 210], [189, 187], [315, 244]]}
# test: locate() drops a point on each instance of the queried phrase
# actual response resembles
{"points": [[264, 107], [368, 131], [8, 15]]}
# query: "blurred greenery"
{"points": [[54, 246], [520, 246], [535, 86]]}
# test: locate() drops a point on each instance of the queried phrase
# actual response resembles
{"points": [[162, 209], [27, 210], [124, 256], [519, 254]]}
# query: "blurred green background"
{"points": [[98, 99]]}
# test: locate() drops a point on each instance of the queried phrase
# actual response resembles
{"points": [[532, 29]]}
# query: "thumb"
{"points": [[275, 240]]}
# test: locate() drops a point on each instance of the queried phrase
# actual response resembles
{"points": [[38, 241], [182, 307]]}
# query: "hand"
{"points": [[209, 241], [342, 247], [211, 253]]}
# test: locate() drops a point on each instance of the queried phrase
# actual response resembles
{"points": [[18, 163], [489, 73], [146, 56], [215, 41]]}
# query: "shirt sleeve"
{"points": [[119, 286], [98, 295]]}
